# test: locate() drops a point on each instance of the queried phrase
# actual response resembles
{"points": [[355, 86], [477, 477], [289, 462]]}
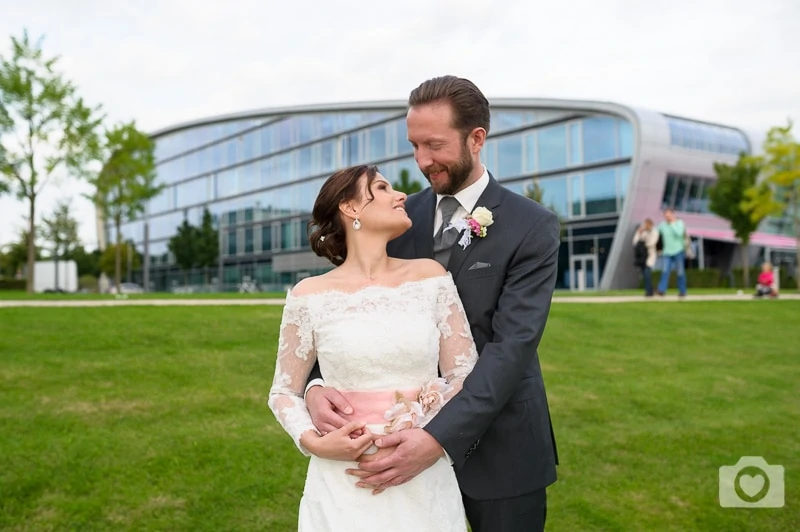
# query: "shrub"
{"points": [[87, 282], [12, 284]]}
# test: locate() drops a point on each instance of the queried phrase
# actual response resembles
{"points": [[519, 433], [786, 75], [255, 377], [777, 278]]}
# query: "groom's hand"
{"points": [[416, 451], [326, 406]]}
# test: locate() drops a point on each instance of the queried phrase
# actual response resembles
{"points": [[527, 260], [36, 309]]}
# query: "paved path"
{"points": [[257, 302]]}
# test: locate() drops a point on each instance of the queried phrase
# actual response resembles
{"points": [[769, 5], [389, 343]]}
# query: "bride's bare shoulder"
{"points": [[312, 285], [420, 269]]}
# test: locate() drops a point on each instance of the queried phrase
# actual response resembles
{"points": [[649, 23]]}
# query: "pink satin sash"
{"points": [[370, 406]]}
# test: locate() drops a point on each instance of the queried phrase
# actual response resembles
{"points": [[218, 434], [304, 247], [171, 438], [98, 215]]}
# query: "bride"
{"points": [[382, 330]]}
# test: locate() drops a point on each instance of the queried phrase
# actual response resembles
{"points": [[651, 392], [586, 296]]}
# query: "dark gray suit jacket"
{"points": [[497, 429]]}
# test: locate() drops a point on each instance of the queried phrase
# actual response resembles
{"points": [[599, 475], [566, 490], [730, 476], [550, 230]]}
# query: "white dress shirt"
{"points": [[467, 200]]}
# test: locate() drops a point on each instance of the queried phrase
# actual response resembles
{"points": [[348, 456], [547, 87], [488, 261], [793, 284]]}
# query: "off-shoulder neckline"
{"points": [[373, 287]]}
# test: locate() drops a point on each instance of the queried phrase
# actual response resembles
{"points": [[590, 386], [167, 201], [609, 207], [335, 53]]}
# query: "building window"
{"points": [[575, 148], [248, 240], [232, 242], [576, 194], [552, 148], [530, 152], [287, 236], [600, 191], [707, 137], [377, 143], [686, 193], [509, 156], [266, 237], [599, 139]]}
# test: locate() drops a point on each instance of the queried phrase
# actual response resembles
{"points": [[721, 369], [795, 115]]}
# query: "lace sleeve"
{"points": [[296, 357], [457, 351]]}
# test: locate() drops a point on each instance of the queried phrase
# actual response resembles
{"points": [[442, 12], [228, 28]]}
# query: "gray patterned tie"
{"points": [[444, 240]]}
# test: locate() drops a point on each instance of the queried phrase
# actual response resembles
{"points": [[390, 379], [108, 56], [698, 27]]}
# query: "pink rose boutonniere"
{"points": [[473, 224]]}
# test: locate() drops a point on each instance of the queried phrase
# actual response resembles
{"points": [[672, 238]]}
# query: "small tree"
{"points": [[779, 193], [405, 184], [126, 182], [50, 130], [16, 255], [110, 263], [184, 245], [727, 199], [60, 230], [207, 252], [88, 262]]}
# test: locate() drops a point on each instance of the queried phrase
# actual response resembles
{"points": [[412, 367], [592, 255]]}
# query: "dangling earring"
{"points": [[356, 224]]}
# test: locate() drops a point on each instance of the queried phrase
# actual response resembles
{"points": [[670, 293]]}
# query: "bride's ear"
{"points": [[348, 210]]}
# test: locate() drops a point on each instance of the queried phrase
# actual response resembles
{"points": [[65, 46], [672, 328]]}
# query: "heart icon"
{"points": [[751, 485]]}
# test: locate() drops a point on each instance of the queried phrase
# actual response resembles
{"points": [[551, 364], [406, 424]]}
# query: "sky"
{"points": [[162, 62]]}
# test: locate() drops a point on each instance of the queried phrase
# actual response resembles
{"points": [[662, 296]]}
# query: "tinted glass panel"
{"points": [[599, 139], [552, 148]]}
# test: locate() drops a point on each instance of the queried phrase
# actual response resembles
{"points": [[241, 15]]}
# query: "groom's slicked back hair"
{"points": [[470, 107]]}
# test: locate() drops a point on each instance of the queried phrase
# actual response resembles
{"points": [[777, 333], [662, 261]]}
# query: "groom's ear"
{"points": [[476, 139]]}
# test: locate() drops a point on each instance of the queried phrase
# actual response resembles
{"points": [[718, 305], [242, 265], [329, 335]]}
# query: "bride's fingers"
{"points": [[351, 426], [363, 442]]}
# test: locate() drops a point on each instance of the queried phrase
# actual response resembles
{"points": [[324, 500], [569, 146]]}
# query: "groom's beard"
{"points": [[457, 173]]}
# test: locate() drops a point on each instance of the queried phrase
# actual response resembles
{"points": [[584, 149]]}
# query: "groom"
{"points": [[497, 430]]}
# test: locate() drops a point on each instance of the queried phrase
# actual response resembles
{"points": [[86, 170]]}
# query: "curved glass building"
{"points": [[601, 166]]}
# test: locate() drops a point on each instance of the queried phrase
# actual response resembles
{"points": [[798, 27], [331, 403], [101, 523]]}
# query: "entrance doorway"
{"points": [[583, 272]]}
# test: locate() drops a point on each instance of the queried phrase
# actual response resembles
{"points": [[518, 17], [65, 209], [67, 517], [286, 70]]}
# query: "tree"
{"points": [[50, 131], [727, 199], [88, 262], [126, 182], [779, 192], [114, 260], [16, 255], [405, 184], [60, 230], [207, 252], [183, 245]]}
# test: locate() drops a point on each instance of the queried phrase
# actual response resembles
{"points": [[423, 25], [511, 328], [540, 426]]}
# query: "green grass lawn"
{"points": [[141, 418], [17, 295]]}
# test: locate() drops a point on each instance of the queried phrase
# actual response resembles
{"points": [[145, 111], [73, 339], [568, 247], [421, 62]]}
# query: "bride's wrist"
{"points": [[309, 439]]}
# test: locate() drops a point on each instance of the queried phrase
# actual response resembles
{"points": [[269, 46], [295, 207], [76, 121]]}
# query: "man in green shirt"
{"points": [[673, 233]]}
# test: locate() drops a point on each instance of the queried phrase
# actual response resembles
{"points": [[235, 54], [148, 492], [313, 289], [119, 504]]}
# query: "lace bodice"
{"points": [[378, 338]]}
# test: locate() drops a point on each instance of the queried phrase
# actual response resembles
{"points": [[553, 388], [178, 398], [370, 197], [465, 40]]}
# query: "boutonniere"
{"points": [[473, 224]]}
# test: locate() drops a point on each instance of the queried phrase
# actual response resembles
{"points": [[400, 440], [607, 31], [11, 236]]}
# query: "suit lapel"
{"points": [[490, 199], [423, 226]]}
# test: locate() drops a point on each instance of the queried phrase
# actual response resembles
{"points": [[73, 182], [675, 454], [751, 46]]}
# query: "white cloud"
{"points": [[171, 61]]}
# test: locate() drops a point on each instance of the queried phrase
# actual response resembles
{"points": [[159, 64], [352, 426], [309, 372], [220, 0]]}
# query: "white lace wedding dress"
{"points": [[375, 341]]}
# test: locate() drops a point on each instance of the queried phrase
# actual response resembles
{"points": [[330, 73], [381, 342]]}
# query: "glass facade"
{"points": [[686, 193], [706, 137], [259, 178]]}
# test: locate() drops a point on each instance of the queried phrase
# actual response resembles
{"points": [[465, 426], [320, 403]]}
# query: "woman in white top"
{"points": [[645, 253]]}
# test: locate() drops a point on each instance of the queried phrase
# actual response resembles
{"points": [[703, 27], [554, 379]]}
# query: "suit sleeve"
{"points": [[517, 327]]}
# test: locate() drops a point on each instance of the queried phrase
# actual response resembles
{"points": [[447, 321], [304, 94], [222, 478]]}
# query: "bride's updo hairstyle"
{"points": [[326, 228]]}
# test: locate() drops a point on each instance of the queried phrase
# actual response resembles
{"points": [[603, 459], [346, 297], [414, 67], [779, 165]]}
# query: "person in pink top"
{"points": [[766, 282]]}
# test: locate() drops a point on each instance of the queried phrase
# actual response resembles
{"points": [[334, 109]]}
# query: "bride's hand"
{"points": [[377, 455], [371, 457], [339, 444]]}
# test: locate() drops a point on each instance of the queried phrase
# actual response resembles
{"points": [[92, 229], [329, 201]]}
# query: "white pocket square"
{"points": [[479, 266]]}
